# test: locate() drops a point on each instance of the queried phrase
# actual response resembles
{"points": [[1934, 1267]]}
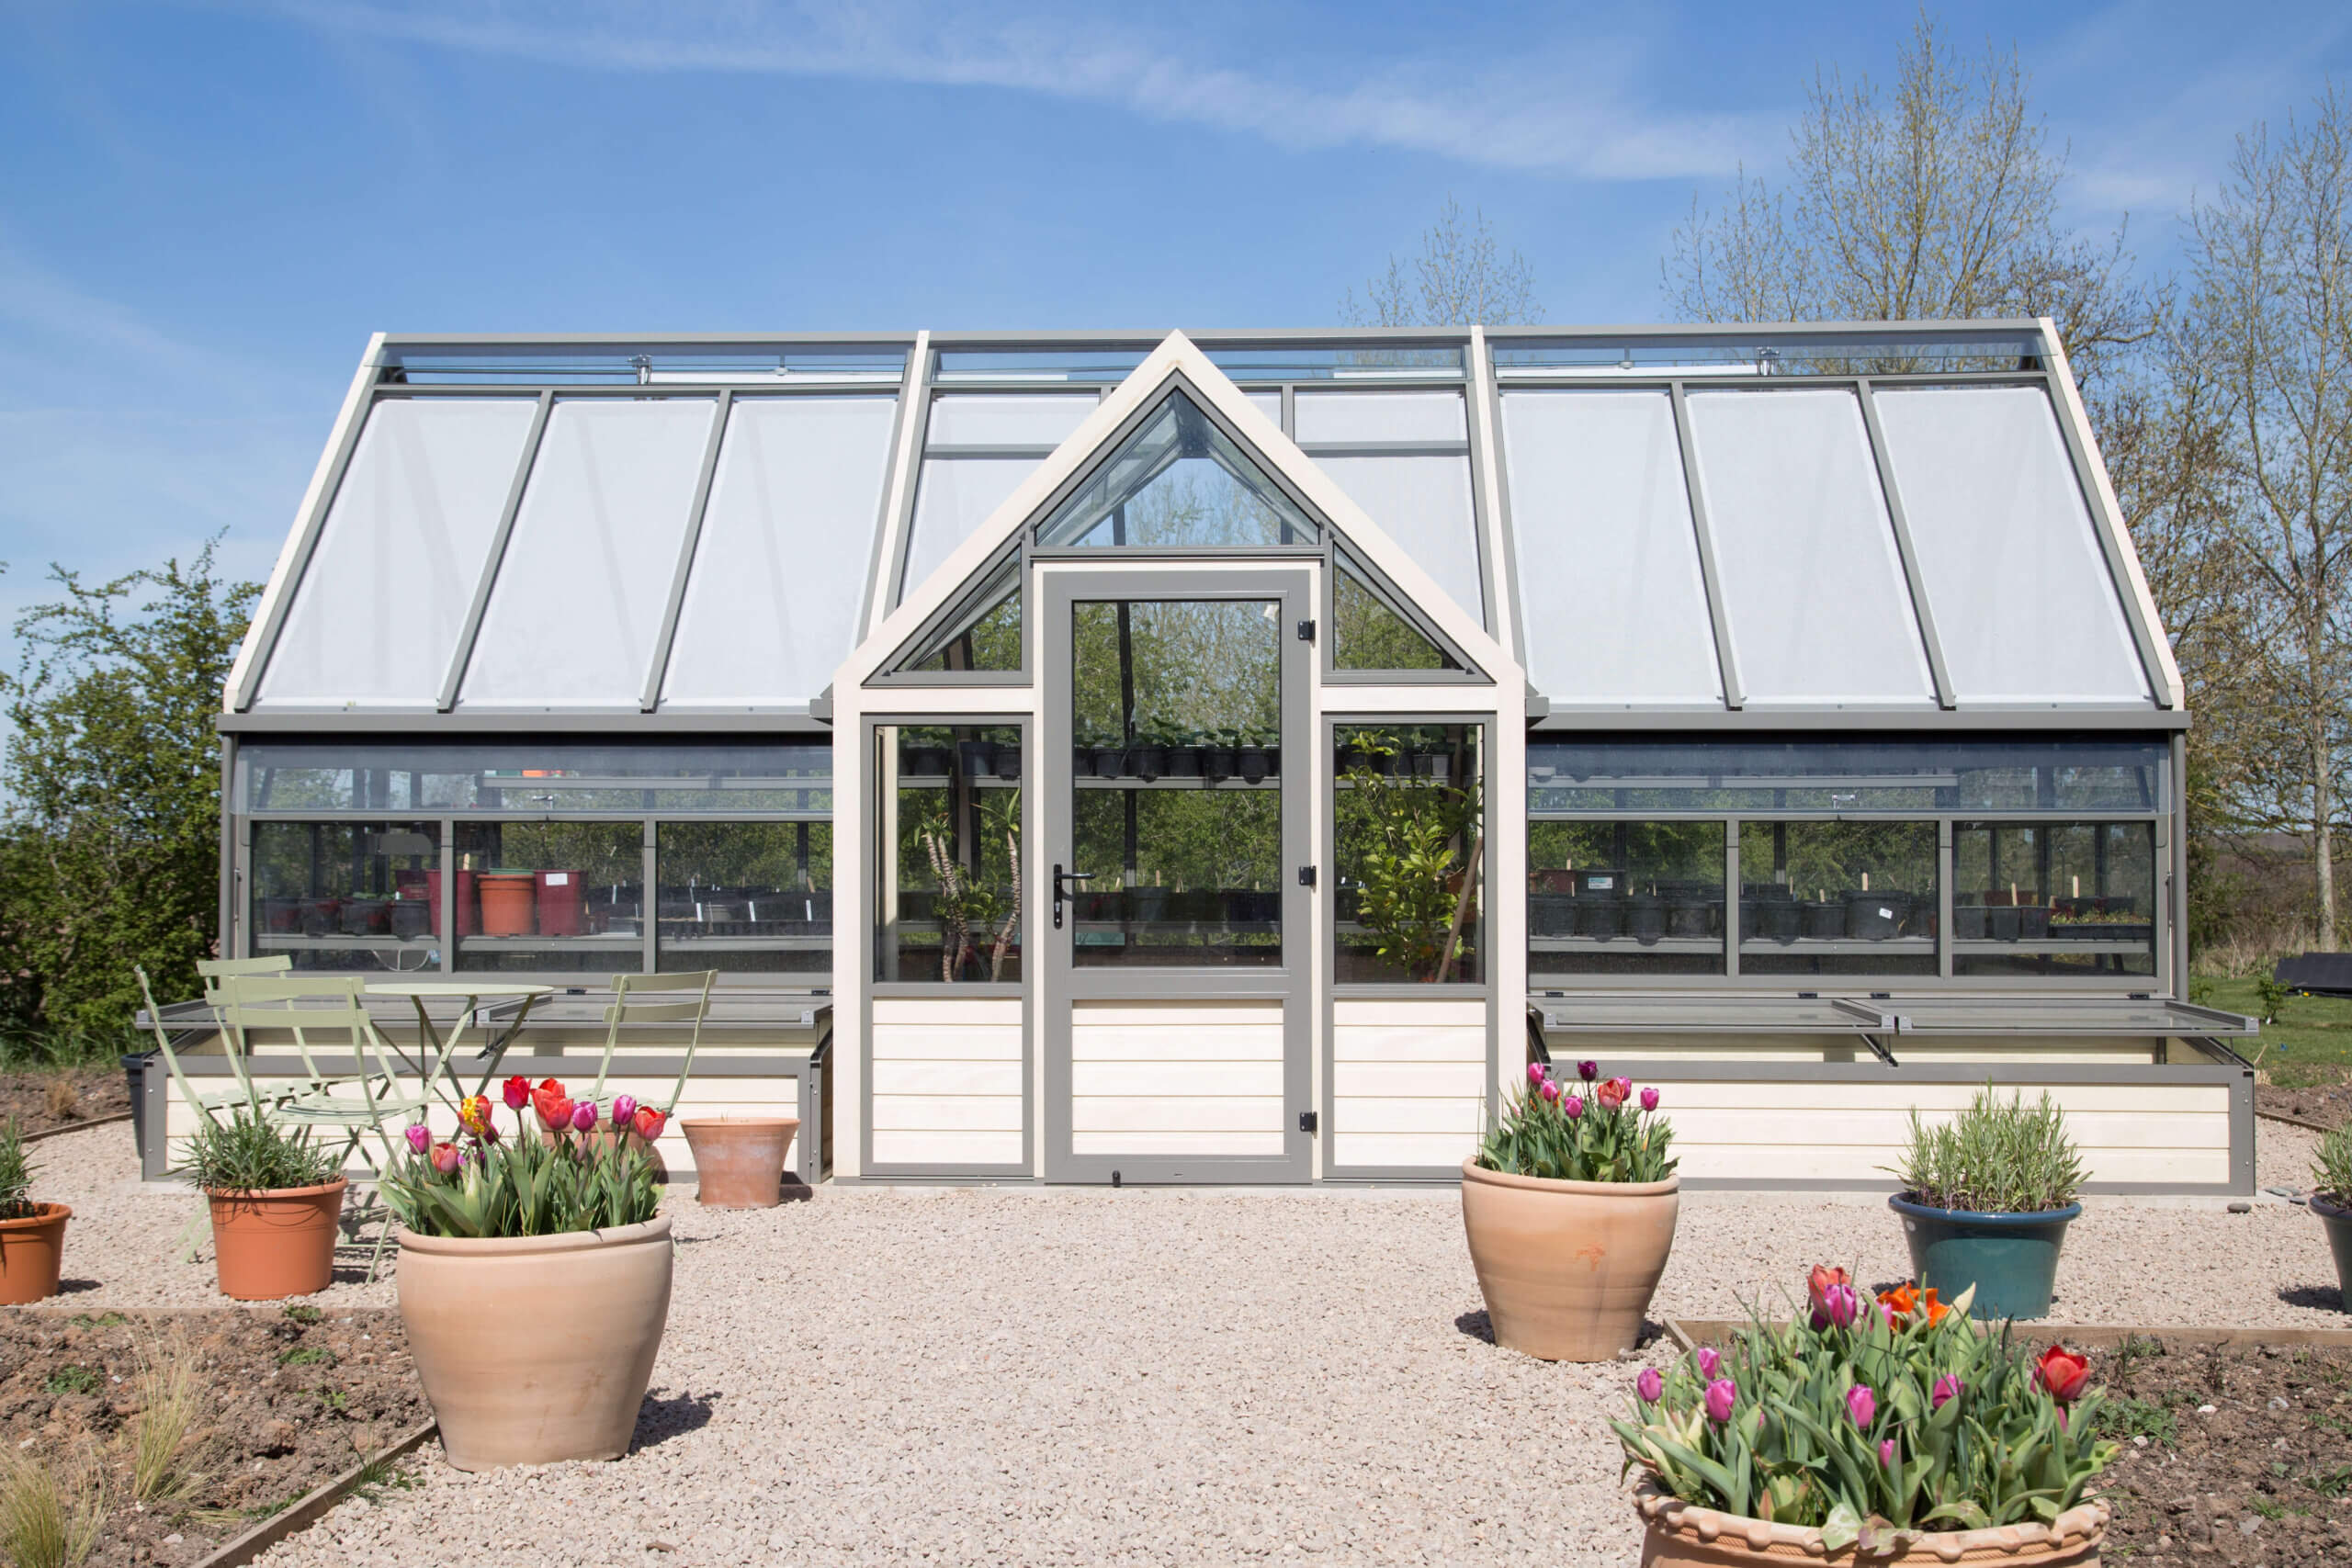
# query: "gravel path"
{"points": [[1077, 1375]]}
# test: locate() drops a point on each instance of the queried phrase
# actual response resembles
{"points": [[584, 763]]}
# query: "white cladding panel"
{"points": [[376, 615], [1408, 1084], [779, 570], [1176, 1078], [947, 1082]]}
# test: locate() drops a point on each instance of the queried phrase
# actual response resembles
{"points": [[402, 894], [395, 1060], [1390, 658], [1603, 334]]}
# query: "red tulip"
{"points": [[649, 1123], [518, 1092], [2062, 1372], [1612, 1093], [552, 1104]]}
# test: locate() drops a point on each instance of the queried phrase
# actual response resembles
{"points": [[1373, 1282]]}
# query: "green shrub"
{"points": [[1995, 1157], [2331, 1172], [247, 1154]]}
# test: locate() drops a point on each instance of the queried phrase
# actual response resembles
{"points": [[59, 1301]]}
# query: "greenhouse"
{"points": [[1231, 758]]}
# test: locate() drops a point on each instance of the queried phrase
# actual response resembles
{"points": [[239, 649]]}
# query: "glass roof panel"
{"points": [[580, 596], [1812, 584], [1178, 481], [1609, 588], [2025, 608], [779, 570], [1414, 417], [1018, 418], [1423, 503], [954, 497], [376, 615]]}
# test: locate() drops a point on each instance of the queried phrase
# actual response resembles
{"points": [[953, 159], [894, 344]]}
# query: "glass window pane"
{"points": [[2053, 898], [376, 617], [947, 899], [580, 593], [552, 896], [1410, 836], [1423, 503], [953, 498], [779, 570], [1368, 631], [2025, 608], [1813, 587], [1178, 481], [745, 896], [1419, 417], [1614, 606], [541, 777], [1613, 776], [1837, 899], [1625, 898], [985, 634], [1177, 802], [1019, 419], [347, 895]]}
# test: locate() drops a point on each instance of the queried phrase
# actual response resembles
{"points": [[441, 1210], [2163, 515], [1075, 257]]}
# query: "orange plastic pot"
{"points": [[269, 1245], [739, 1160], [506, 902], [32, 1250]]}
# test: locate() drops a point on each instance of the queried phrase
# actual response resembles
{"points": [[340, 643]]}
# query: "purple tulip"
{"points": [[624, 1109], [1588, 1070], [1860, 1403], [1709, 1361], [1947, 1388], [419, 1139], [1886, 1453], [1551, 1090], [1722, 1394], [1574, 1106], [1649, 1385], [1534, 1072], [583, 1116], [1843, 1304], [1650, 1099]]}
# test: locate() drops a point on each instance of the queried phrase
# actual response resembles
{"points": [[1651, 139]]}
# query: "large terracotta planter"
{"points": [[31, 1251], [272, 1245], [1682, 1535], [536, 1348], [1568, 1268], [739, 1160]]}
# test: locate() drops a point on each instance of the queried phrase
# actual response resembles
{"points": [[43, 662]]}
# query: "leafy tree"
{"points": [[1458, 278], [112, 855]]}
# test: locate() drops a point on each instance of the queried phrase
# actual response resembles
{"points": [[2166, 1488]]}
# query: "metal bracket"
{"points": [[1307, 631], [1307, 876], [1306, 1121], [1878, 1049]]}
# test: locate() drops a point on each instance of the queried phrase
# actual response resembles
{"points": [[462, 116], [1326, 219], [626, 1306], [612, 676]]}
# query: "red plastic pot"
{"points": [[468, 910], [559, 894]]}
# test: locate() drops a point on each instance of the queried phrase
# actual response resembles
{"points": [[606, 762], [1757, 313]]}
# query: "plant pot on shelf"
{"points": [[2339, 1222], [469, 903], [1551, 914], [1146, 903], [1008, 763], [317, 916], [1682, 1535], [1183, 762], [268, 1245], [31, 1251], [1108, 760], [1824, 921], [283, 916], [976, 758], [1148, 762], [536, 1348], [1690, 917], [506, 899], [1251, 763], [739, 1160], [1273, 761], [561, 908], [1646, 917], [1600, 916], [2033, 922], [1568, 1268], [1971, 922], [2011, 1260], [1875, 916], [926, 762], [411, 917], [1217, 763]]}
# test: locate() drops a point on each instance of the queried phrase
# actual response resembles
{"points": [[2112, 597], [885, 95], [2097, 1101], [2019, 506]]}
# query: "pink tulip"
{"points": [[1588, 1070], [1722, 1394], [624, 1109], [1886, 1453], [1709, 1361], [419, 1139], [1860, 1403], [1947, 1388], [583, 1116], [1650, 1099], [1534, 1072], [1842, 1304], [1574, 1106], [1551, 1090], [1649, 1385], [444, 1159]]}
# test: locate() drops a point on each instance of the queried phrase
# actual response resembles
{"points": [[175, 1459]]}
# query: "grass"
{"points": [[379, 1473], [163, 1447], [306, 1356], [2313, 1032], [305, 1315], [96, 1319], [74, 1379], [26, 1050], [2127, 1418], [50, 1511]]}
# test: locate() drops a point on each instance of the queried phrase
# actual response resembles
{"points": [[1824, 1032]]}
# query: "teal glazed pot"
{"points": [[2012, 1259], [2339, 1241]]}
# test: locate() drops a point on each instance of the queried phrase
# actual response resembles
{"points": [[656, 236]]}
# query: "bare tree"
{"points": [[2272, 260], [1935, 201], [1459, 279]]}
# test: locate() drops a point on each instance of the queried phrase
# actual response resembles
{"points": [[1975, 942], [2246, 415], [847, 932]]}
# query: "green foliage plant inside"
{"points": [[2331, 1171], [1881, 1420], [247, 1154], [568, 1172], [1596, 1130], [1999, 1157], [15, 1174], [1408, 839]]}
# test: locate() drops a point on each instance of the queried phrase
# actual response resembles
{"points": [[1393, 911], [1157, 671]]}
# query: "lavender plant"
{"points": [[1995, 1157], [2331, 1171], [1596, 1130], [15, 1174]]}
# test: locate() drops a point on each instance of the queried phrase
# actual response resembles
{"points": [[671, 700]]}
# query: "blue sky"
{"points": [[206, 208]]}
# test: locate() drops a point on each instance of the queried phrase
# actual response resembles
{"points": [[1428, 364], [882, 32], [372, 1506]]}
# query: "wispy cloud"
{"points": [[1559, 113]]}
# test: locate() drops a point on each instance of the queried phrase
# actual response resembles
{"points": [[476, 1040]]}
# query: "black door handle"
{"points": [[1060, 892]]}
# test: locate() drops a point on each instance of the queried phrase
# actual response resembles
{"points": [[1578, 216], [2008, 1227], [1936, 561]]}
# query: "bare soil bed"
{"points": [[62, 1096], [290, 1398], [2230, 1455], [2320, 1095]]}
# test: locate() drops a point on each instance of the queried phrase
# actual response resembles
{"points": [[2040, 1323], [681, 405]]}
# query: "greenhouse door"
{"points": [[1175, 776]]}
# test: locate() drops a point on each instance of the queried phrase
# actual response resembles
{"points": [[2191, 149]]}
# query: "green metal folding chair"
{"points": [[215, 970], [626, 1011]]}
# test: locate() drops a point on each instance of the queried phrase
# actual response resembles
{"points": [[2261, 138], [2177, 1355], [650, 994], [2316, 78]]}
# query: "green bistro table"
{"points": [[470, 993]]}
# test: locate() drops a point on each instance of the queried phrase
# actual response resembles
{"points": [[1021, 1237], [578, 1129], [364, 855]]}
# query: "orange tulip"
{"points": [[2063, 1373]]}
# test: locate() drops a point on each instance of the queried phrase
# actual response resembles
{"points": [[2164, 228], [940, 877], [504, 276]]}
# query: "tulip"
{"points": [[1551, 1091], [1574, 1106], [1947, 1388], [1614, 1093], [1588, 1070], [649, 1123], [1722, 1394], [1818, 1286], [1534, 1072], [583, 1116], [518, 1092], [1886, 1453], [489, 1132], [444, 1159], [1649, 1385], [1709, 1361], [419, 1139], [624, 1109], [1650, 1099], [473, 1113], [1843, 1304], [2063, 1373], [553, 1105], [1860, 1403]]}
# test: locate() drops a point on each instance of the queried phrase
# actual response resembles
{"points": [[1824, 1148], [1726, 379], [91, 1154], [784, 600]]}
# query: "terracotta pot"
{"points": [[739, 1160], [1568, 1268], [271, 1245], [1678, 1534], [536, 1348], [31, 1250], [506, 901]]}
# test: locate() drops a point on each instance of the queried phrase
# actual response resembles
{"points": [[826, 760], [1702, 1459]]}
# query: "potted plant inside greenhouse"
{"points": [[1887, 1429], [276, 1202], [32, 1233], [1569, 1207], [2330, 1200], [1985, 1202], [1410, 845], [534, 1276]]}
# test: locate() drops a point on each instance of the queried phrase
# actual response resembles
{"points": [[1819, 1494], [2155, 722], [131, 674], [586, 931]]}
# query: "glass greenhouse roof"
{"points": [[1679, 521]]}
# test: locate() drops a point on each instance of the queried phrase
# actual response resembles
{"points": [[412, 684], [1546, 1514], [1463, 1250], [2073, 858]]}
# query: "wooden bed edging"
{"points": [[77, 1126], [1690, 1333], [307, 1509]]}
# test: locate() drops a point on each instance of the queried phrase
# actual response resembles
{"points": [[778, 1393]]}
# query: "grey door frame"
{"points": [[1061, 984]]}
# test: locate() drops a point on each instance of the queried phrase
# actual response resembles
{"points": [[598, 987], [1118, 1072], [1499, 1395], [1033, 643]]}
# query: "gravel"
{"points": [[1080, 1375]]}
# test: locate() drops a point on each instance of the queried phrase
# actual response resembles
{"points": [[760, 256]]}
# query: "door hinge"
{"points": [[1307, 631], [1306, 1121], [1307, 876]]}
